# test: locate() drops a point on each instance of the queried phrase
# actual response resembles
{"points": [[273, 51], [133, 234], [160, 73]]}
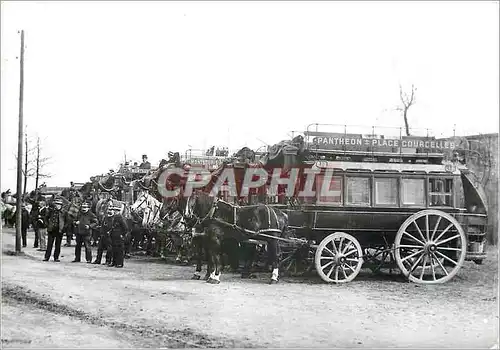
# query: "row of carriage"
{"points": [[379, 201]]}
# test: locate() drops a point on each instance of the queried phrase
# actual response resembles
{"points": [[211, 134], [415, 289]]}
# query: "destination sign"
{"points": [[205, 161], [358, 142], [139, 171]]}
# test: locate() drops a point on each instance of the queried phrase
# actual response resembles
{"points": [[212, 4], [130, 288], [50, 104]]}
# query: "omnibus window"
{"points": [[335, 188], [413, 191], [386, 191], [358, 190], [440, 192]]}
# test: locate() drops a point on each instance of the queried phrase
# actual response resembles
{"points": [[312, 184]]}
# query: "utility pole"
{"points": [[20, 150]]}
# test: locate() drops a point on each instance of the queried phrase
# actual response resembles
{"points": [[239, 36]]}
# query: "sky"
{"points": [[109, 79]]}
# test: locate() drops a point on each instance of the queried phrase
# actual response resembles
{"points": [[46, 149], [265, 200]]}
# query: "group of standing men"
{"points": [[51, 222]]}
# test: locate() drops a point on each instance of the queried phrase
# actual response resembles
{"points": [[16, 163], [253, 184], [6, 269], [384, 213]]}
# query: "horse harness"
{"points": [[234, 225]]}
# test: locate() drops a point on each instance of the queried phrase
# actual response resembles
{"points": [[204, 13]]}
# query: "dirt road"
{"points": [[154, 304]]}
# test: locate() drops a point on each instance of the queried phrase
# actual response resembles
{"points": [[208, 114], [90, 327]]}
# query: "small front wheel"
{"points": [[338, 258]]}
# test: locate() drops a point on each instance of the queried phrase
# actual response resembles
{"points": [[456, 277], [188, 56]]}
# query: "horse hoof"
{"points": [[206, 278], [213, 281], [273, 282], [196, 277]]}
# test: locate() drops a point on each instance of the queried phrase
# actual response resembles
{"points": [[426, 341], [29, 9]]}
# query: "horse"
{"points": [[217, 219], [147, 209], [9, 214], [9, 209]]}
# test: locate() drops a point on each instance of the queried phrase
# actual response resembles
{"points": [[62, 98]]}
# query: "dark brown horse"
{"points": [[216, 220]]}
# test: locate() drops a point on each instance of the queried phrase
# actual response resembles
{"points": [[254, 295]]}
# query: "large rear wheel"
{"points": [[430, 247]]}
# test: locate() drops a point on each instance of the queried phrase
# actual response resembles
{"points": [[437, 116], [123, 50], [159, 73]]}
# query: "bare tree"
{"points": [[40, 163], [34, 163], [407, 100], [28, 169]]}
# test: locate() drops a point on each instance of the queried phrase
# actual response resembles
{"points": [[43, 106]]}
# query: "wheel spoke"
{"points": [[327, 258], [355, 260], [436, 227], [327, 264], [336, 273], [412, 255], [330, 272], [445, 248], [349, 266], [440, 265], [409, 246], [418, 229], [423, 268], [447, 239], [346, 247], [416, 263], [432, 267], [447, 258], [351, 252], [340, 244], [415, 239], [427, 227], [343, 272], [329, 251], [444, 231], [334, 246]]}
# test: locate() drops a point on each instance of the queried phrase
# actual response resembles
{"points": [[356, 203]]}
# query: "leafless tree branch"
{"points": [[407, 102]]}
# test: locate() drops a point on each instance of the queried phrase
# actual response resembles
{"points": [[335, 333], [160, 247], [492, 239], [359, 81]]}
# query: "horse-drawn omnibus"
{"points": [[391, 201]]}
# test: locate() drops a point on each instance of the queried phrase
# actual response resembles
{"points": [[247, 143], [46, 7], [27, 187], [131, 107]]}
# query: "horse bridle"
{"points": [[209, 215]]}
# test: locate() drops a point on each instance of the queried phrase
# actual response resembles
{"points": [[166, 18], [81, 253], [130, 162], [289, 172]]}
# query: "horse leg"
{"points": [[186, 256], [234, 256], [198, 251], [249, 253], [207, 254], [179, 247], [273, 251], [224, 252], [215, 252]]}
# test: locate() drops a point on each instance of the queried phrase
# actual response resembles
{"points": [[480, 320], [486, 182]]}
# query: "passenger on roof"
{"points": [[145, 164]]}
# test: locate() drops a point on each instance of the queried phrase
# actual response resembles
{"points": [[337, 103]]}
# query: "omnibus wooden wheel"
{"points": [[430, 247], [338, 258]]}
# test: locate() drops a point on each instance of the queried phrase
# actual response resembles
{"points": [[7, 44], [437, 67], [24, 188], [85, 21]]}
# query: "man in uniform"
{"points": [[41, 225], [116, 225], [105, 239], [25, 224], [86, 222], [55, 228]]}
